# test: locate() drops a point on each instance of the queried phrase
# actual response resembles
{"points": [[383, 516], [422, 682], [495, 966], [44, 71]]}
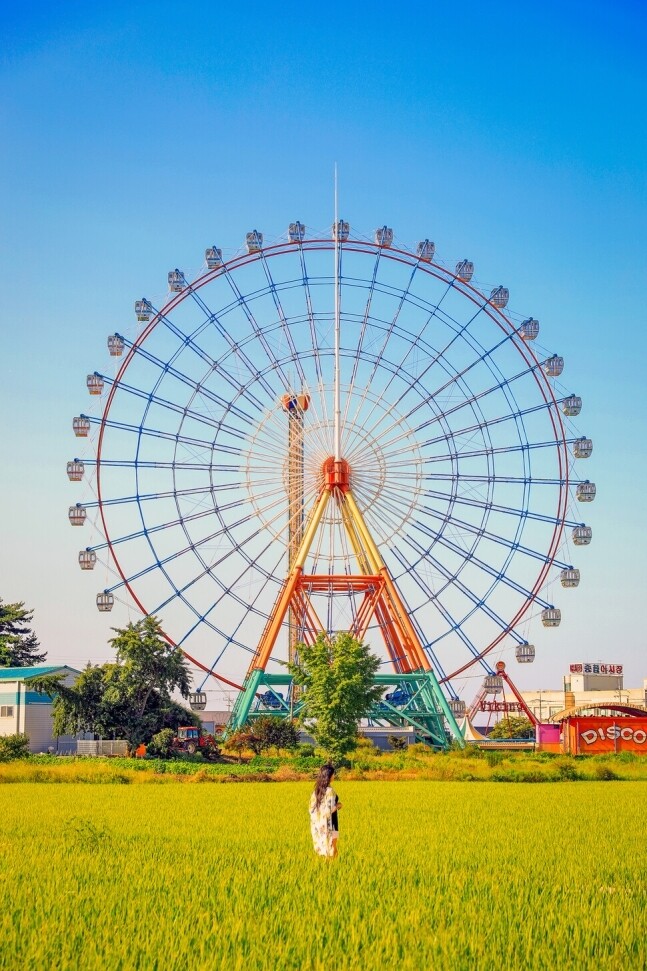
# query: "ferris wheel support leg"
{"points": [[245, 700]]}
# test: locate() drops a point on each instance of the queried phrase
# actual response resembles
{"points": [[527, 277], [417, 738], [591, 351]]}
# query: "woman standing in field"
{"points": [[323, 813]]}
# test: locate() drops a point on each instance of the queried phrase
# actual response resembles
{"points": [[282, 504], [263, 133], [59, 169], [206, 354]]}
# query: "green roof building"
{"points": [[22, 709]]}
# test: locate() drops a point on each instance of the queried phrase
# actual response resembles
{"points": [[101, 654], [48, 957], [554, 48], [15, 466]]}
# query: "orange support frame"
{"points": [[381, 599]]}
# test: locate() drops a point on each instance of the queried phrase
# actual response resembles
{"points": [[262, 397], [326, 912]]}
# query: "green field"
{"points": [[430, 875]]}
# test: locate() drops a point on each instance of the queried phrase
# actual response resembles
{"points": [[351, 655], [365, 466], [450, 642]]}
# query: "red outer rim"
{"points": [[440, 273]]}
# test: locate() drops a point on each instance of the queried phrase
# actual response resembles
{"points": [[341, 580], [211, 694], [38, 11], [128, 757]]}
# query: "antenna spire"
{"points": [[337, 403]]}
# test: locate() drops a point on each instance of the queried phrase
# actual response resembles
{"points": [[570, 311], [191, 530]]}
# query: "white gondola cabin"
{"points": [[582, 448], [94, 383], [254, 241], [198, 700], [115, 345], [76, 514], [213, 257], [105, 601], [425, 250], [75, 470], [524, 653], [176, 281], [296, 232], [554, 366], [143, 309], [572, 405], [529, 329], [81, 426], [499, 297], [582, 535], [87, 559], [384, 237], [492, 684], [551, 617], [341, 230], [457, 707], [585, 491], [465, 270], [570, 577]]}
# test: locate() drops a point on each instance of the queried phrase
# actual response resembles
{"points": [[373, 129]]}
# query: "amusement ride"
{"points": [[326, 433]]}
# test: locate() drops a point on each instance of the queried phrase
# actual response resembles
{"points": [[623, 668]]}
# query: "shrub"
{"points": [[397, 743], [305, 750], [161, 745], [566, 770], [605, 773], [14, 747]]}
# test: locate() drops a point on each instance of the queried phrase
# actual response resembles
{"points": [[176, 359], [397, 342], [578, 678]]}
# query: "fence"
{"points": [[116, 746]]}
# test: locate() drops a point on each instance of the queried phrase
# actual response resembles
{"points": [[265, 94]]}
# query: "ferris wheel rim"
{"points": [[440, 273]]}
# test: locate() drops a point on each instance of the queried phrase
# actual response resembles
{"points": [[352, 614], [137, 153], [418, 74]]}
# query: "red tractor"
{"points": [[191, 740]]}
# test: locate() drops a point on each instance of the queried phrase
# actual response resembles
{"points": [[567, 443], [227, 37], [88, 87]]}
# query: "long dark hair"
{"points": [[326, 772]]}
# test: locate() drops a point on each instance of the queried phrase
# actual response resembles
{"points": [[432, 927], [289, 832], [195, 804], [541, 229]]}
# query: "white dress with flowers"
{"points": [[321, 822]]}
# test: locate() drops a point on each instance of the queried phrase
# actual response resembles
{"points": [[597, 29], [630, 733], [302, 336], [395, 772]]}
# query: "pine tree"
{"points": [[18, 643]]}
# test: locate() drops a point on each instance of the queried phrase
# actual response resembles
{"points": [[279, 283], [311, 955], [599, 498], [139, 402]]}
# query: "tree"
{"points": [[513, 727], [336, 674], [268, 731], [18, 643], [161, 744], [128, 699]]}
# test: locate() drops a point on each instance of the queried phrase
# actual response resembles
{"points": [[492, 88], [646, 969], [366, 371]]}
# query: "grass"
{"points": [[505, 876], [367, 764]]}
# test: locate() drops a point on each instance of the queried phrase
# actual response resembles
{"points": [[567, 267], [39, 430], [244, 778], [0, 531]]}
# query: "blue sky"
{"points": [[134, 135]]}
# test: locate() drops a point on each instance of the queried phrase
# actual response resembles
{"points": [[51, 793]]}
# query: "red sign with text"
{"points": [[595, 735], [597, 668]]}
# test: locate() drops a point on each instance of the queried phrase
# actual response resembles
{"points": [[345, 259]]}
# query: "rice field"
{"points": [[430, 875]]}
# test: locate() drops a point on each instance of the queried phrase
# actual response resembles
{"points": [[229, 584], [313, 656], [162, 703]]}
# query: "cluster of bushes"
{"points": [[14, 747]]}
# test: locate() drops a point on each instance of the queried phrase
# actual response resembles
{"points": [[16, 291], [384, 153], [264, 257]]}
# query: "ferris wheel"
{"points": [[332, 361]]}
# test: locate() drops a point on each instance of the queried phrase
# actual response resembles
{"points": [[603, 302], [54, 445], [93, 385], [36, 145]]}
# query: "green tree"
{"points": [[337, 675], [513, 727], [18, 643], [268, 731], [130, 698]]}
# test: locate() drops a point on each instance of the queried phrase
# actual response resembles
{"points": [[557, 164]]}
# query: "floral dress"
{"points": [[321, 822]]}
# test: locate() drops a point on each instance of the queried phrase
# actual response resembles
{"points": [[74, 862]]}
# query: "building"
{"points": [[25, 710], [587, 684]]}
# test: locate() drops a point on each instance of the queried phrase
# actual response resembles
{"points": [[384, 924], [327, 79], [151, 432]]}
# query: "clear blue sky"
{"points": [[135, 134]]}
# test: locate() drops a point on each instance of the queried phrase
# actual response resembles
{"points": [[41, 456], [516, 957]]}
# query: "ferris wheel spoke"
{"points": [[481, 533], [478, 427], [168, 368], [153, 399], [212, 367], [147, 497], [214, 319], [399, 367], [485, 479], [314, 340], [479, 603], [513, 511], [457, 377], [191, 518], [258, 331], [232, 636], [452, 623], [362, 332], [281, 315]]}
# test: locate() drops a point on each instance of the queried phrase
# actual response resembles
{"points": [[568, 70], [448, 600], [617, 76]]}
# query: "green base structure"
{"points": [[425, 708]]}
